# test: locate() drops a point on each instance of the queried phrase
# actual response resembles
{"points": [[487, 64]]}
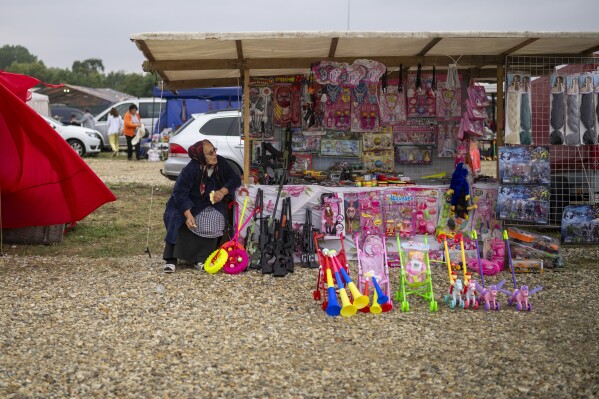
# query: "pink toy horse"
{"points": [[470, 298], [490, 295]]}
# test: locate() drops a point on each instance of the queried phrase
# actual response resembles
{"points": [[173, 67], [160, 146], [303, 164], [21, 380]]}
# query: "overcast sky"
{"points": [[62, 31]]}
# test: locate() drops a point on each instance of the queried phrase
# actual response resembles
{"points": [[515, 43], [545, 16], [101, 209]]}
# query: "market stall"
{"points": [[347, 113]]}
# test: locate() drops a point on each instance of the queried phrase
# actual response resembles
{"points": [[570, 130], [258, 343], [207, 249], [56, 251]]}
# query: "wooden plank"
{"points": [[333, 48], [247, 144], [199, 83], [429, 46], [293, 63], [521, 45]]}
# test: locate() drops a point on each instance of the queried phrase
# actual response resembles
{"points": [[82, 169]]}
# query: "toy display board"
{"points": [[392, 104], [302, 162], [484, 218], [371, 213], [449, 101], [410, 211], [352, 213], [447, 139], [377, 141], [303, 141], [421, 102], [524, 203], [415, 131], [524, 165], [580, 224], [365, 107], [337, 114], [588, 120], [333, 225], [313, 106], [557, 103], [261, 107], [340, 147], [413, 154]]}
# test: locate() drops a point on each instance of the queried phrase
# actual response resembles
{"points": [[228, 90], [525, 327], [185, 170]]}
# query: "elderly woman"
{"points": [[195, 213]]}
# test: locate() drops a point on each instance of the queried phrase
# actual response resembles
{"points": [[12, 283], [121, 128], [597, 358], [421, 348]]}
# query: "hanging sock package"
{"points": [[512, 115], [587, 109], [525, 111], [557, 110], [572, 111]]}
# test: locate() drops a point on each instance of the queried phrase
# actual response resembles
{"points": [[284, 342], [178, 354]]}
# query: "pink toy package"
{"points": [[371, 213], [337, 113], [333, 225], [365, 107], [421, 102], [392, 104], [352, 213], [449, 101], [287, 104]]}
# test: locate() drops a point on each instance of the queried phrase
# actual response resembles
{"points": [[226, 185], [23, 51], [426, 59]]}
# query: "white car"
{"points": [[148, 109], [220, 127], [81, 139]]}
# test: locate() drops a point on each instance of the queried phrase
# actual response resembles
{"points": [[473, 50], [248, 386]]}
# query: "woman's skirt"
{"points": [[190, 247]]}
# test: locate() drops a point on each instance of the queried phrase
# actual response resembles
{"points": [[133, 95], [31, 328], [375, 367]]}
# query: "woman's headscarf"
{"points": [[196, 152]]}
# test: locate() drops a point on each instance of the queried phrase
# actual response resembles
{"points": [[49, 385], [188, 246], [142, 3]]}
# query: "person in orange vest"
{"points": [[132, 122]]}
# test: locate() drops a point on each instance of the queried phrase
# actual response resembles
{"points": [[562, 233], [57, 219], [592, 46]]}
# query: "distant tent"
{"points": [[40, 103], [182, 104], [42, 180]]}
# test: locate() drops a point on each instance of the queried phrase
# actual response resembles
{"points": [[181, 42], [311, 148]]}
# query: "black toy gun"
{"points": [[308, 256], [251, 247]]}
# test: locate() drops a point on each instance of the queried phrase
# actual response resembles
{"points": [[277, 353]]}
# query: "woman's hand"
{"points": [[190, 221], [220, 194]]}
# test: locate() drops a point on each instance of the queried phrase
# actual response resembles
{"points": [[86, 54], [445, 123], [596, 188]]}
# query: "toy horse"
{"points": [[455, 293], [489, 296], [470, 300]]}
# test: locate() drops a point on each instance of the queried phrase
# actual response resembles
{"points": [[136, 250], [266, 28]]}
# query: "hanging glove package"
{"points": [[572, 111], [557, 106]]}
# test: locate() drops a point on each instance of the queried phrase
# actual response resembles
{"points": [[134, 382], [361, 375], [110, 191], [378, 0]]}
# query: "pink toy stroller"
{"points": [[373, 273]]}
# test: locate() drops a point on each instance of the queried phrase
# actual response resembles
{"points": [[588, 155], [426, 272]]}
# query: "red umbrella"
{"points": [[42, 180]]}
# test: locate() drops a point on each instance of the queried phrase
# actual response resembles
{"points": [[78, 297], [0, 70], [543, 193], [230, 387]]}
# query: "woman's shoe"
{"points": [[169, 268], [114, 154]]}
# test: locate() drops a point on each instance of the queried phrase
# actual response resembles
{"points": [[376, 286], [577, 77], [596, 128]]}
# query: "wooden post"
{"points": [[499, 117], [247, 144]]}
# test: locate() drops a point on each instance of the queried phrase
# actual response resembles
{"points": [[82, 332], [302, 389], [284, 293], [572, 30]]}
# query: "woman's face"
{"points": [[210, 153]]}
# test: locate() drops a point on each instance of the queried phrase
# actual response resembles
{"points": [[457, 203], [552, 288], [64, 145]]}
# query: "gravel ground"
{"points": [[79, 327]]}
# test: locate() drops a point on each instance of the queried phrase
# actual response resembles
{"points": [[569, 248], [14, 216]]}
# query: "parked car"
{"points": [[220, 127], [65, 113], [148, 109], [81, 139]]}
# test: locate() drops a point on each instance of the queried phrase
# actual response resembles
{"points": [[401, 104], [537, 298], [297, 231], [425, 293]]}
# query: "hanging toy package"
{"points": [[333, 224], [572, 111], [596, 97]]}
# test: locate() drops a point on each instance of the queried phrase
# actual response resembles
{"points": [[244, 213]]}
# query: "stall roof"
{"points": [[188, 60]]}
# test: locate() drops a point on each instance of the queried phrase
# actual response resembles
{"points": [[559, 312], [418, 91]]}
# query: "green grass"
{"points": [[116, 229]]}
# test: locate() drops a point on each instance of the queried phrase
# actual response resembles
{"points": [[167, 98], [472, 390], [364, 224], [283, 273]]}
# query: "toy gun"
{"points": [[269, 159], [251, 248], [284, 242], [287, 155], [308, 256], [268, 234]]}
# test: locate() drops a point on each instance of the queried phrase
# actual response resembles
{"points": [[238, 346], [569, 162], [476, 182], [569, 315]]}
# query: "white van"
{"points": [[148, 109]]}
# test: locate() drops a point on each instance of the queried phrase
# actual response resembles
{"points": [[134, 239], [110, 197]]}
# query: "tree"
{"points": [[10, 54]]}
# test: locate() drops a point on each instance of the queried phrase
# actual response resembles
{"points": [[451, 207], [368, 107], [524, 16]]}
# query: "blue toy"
{"points": [[459, 190]]}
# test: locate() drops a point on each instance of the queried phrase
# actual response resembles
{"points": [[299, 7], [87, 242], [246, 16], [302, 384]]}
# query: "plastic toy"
{"points": [[456, 285], [489, 296], [459, 190], [519, 296], [374, 272], [415, 274]]}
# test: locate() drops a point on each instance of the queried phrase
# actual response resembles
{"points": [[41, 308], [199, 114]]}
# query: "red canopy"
{"points": [[42, 180]]}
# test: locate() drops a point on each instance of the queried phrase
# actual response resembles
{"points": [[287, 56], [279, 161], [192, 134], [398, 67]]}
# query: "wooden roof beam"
{"points": [[190, 84], [333, 48], [429, 46], [520, 46], [284, 63]]}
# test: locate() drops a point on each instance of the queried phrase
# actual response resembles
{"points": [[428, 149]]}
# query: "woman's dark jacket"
{"points": [[186, 194]]}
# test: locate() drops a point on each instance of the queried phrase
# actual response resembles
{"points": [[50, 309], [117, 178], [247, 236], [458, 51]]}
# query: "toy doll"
{"points": [[416, 268]]}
